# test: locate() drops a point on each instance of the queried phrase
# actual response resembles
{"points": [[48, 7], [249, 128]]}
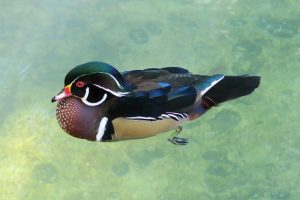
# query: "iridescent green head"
{"points": [[93, 82]]}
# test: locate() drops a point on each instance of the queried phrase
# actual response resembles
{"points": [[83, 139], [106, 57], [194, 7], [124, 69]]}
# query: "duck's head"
{"points": [[93, 83], [89, 90]]}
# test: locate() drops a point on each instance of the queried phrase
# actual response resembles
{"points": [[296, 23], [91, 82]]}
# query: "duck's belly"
{"points": [[133, 129]]}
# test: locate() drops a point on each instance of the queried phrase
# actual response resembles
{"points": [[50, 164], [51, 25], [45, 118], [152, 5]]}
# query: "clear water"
{"points": [[244, 149]]}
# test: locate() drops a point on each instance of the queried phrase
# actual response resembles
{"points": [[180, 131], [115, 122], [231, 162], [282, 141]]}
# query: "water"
{"points": [[244, 149]]}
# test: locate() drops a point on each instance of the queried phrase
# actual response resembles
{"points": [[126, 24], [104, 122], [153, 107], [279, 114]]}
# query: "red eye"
{"points": [[80, 84]]}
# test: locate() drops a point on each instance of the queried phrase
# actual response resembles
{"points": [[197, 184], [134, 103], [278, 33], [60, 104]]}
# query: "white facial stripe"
{"points": [[117, 94], [119, 85], [101, 128], [117, 82], [84, 99]]}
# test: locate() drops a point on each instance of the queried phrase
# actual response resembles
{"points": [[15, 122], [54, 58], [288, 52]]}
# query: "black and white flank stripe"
{"points": [[168, 115]]}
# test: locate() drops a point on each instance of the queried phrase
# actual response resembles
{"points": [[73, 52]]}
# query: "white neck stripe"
{"points": [[101, 129]]}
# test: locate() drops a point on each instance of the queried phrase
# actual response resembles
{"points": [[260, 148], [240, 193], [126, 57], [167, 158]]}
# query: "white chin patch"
{"points": [[84, 99]]}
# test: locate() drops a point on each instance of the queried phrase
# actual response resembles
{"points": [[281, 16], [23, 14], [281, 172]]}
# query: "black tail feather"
{"points": [[231, 87]]}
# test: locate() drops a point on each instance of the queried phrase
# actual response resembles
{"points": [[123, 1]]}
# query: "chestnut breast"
{"points": [[78, 119]]}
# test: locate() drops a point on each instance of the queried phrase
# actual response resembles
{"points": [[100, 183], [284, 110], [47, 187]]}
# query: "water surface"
{"points": [[244, 149]]}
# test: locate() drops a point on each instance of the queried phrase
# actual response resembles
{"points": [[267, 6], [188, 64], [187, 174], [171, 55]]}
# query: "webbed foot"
{"points": [[178, 141], [174, 139]]}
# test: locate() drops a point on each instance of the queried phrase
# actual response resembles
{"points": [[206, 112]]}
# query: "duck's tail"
{"points": [[231, 87]]}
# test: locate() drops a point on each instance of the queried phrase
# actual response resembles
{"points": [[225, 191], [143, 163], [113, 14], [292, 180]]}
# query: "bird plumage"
{"points": [[142, 103]]}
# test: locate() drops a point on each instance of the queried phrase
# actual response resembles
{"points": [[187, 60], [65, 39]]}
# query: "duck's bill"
{"points": [[66, 92]]}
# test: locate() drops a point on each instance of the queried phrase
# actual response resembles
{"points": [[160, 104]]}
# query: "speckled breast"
{"points": [[78, 119]]}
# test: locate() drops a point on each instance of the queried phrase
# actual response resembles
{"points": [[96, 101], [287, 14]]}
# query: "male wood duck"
{"points": [[99, 103]]}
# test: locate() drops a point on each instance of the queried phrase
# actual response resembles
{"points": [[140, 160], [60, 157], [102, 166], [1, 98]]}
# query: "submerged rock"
{"points": [[284, 28], [247, 56], [280, 195], [153, 28], [45, 173], [114, 196], [145, 157], [238, 22], [120, 168], [204, 50], [225, 120], [75, 196], [240, 68], [217, 156], [178, 22], [217, 184], [138, 36], [246, 49], [218, 171]]}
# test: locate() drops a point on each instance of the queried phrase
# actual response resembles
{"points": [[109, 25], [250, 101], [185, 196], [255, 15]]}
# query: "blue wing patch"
{"points": [[163, 89]]}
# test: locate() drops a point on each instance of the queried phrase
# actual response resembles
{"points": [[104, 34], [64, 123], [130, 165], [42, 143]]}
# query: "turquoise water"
{"points": [[243, 149]]}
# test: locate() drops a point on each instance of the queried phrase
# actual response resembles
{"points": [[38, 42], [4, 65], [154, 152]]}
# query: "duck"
{"points": [[99, 103]]}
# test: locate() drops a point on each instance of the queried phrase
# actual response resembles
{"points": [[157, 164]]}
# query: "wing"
{"points": [[150, 78], [161, 92]]}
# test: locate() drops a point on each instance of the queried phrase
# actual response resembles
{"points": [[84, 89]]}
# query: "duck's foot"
{"points": [[174, 139], [178, 140]]}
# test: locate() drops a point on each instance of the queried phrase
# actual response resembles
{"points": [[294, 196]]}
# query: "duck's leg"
{"points": [[178, 140]]}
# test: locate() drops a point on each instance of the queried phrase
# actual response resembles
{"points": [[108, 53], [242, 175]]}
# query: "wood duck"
{"points": [[99, 103]]}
